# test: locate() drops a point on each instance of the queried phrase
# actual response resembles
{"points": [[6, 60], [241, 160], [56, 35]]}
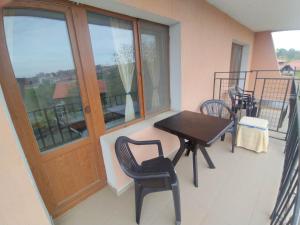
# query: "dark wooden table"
{"points": [[200, 130]]}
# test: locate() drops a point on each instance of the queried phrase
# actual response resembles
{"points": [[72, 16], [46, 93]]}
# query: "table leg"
{"points": [[189, 148], [179, 152], [206, 156], [195, 165]]}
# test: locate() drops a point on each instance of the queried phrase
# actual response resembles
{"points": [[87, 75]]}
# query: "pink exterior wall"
{"points": [[206, 38], [20, 202], [264, 55], [264, 58]]}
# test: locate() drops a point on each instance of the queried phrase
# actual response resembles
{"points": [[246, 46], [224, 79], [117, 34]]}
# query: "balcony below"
{"points": [[241, 191]]}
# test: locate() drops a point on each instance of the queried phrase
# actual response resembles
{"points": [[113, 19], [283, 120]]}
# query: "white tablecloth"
{"points": [[253, 134]]}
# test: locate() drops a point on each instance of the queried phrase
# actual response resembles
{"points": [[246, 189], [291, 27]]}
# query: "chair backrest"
{"points": [[216, 108], [232, 94], [125, 157]]}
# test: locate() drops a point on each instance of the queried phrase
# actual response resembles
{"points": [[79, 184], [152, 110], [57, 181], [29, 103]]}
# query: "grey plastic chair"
{"points": [[218, 108], [152, 175]]}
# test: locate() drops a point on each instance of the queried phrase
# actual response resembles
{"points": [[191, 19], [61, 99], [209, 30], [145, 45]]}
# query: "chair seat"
{"points": [[160, 164]]}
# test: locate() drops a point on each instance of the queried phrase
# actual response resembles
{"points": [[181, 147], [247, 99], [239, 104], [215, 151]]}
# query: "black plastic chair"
{"points": [[242, 99], [218, 108], [152, 175]]}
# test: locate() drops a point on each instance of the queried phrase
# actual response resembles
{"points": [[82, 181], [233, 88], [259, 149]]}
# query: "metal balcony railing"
{"points": [[64, 122], [270, 88], [287, 206]]}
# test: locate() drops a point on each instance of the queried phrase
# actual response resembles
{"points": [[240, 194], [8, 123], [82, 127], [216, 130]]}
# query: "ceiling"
{"points": [[262, 15]]}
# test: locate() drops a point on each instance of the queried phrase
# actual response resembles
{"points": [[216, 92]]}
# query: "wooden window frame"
{"points": [[81, 47], [20, 117], [136, 35], [166, 109], [52, 5]]}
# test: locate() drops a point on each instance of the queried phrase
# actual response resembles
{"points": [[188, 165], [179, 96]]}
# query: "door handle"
{"points": [[87, 109]]}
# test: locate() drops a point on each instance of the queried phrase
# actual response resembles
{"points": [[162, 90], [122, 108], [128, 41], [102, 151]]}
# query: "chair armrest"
{"points": [[150, 142]]}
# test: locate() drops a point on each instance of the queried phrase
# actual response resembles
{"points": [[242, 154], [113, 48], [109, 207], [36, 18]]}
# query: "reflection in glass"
{"points": [[114, 56], [41, 56], [155, 67]]}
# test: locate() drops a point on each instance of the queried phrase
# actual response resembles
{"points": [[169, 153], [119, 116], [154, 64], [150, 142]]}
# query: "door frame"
{"points": [[234, 75], [244, 61], [85, 46], [21, 121]]}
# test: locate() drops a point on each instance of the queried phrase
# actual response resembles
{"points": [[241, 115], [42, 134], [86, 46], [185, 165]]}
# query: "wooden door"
{"points": [[52, 101], [235, 63]]}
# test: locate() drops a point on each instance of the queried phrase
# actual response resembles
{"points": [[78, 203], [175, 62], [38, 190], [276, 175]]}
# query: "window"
{"points": [[114, 55], [155, 67]]}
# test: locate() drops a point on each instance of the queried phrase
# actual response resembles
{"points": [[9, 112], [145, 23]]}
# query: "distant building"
{"points": [[288, 68], [295, 64], [63, 89]]}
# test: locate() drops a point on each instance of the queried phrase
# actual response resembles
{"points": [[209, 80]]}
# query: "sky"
{"points": [[38, 44], [287, 39]]}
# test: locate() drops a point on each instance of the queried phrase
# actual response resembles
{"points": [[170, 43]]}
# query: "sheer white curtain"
{"points": [[125, 61], [152, 63], [155, 67]]}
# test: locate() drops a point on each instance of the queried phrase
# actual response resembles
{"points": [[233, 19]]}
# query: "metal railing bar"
{"points": [[285, 197]]}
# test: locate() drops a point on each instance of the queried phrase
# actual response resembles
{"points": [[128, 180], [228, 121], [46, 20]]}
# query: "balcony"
{"points": [[77, 74], [241, 190]]}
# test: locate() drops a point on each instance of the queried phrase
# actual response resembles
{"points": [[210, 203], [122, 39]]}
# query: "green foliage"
{"points": [[287, 55], [39, 97]]}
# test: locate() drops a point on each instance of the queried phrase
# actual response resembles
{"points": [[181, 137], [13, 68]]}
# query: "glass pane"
{"points": [[155, 66], [114, 56], [41, 56]]}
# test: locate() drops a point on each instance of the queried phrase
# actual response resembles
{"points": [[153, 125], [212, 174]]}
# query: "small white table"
{"points": [[253, 134]]}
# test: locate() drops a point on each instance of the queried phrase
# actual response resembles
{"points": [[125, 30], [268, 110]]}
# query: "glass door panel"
{"points": [[41, 57], [154, 40], [235, 64], [114, 56]]}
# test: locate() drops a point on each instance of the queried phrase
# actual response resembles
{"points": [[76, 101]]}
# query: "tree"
{"points": [[288, 55]]}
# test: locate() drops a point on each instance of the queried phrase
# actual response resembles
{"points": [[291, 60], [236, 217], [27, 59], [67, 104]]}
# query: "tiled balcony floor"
{"points": [[240, 191]]}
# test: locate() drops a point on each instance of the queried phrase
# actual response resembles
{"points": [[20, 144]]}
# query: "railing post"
{"points": [[214, 85], [245, 80], [283, 104], [262, 93], [39, 129], [256, 74], [58, 124], [221, 79], [296, 213], [49, 126]]}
